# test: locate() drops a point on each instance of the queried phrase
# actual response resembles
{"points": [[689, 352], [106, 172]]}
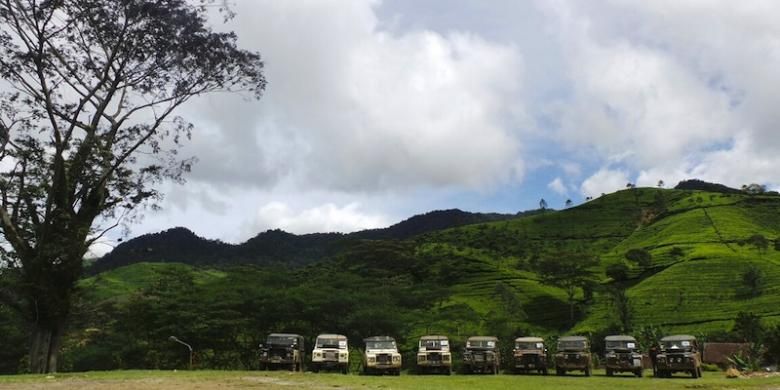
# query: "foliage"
{"points": [[624, 311], [748, 328], [758, 241], [640, 256], [618, 272], [89, 130], [753, 279], [568, 271]]}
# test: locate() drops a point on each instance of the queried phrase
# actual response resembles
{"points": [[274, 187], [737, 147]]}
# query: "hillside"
{"points": [[483, 278], [273, 247]]}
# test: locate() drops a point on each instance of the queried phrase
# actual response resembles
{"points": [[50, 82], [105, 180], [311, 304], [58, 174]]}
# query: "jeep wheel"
{"points": [[587, 371], [544, 371], [609, 372], [638, 373], [560, 372], [345, 370], [315, 368]]}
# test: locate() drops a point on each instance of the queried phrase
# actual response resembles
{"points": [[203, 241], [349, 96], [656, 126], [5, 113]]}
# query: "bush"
{"points": [[710, 367], [640, 257], [618, 272], [753, 280]]}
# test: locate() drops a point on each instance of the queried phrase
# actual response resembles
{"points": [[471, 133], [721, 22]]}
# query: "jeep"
{"points": [[282, 350], [481, 355], [573, 355], [381, 356], [678, 354], [434, 355], [530, 354], [622, 355], [331, 352]]}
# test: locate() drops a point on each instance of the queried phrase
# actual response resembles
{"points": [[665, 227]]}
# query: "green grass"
{"points": [[274, 380]]}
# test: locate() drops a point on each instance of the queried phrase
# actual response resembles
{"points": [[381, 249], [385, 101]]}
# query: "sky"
{"points": [[379, 110]]}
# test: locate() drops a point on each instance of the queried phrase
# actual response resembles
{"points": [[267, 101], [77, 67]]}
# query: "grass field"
{"points": [[166, 380]]}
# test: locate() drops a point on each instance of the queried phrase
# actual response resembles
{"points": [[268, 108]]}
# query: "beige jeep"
{"points": [[381, 356], [530, 354], [331, 352], [434, 355]]}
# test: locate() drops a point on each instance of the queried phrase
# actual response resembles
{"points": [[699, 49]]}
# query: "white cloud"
{"points": [[557, 186], [352, 107], [604, 181], [672, 88], [324, 218]]}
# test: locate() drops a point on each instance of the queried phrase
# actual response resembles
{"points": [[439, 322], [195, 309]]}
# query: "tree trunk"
{"points": [[45, 348]]}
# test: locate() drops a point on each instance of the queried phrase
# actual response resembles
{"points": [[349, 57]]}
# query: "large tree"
{"points": [[87, 130], [568, 271]]}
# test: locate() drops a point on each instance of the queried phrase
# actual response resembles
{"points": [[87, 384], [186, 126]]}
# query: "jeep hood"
{"points": [[378, 351]]}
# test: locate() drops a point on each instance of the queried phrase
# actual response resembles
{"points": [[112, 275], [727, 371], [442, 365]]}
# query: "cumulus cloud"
{"points": [[672, 88], [324, 218], [557, 186], [352, 107], [604, 181]]}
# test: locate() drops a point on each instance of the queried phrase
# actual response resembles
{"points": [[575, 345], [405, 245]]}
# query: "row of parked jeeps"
{"points": [[481, 355]]}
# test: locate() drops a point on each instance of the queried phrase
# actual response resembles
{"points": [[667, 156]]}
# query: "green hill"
{"points": [[485, 278]]}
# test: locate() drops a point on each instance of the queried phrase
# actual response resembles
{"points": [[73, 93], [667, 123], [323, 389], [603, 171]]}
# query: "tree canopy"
{"points": [[88, 129]]}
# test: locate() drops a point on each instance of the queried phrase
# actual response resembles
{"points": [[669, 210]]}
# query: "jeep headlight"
{"points": [[317, 354], [421, 358], [396, 358], [371, 359], [447, 357], [343, 355]]}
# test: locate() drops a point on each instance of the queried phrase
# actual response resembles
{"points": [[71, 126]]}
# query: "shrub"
{"points": [[676, 252], [618, 272], [753, 280], [710, 367], [640, 257]]}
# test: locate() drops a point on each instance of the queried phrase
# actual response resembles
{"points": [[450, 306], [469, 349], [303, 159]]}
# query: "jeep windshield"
{"points": [[529, 345], [480, 344], [434, 344], [331, 343], [380, 344], [567, 345], [677, 345], [280, 340], [621, 345]]}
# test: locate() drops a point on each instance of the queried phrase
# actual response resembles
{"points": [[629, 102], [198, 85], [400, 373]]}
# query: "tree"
{"points": [[754, 188], [640, 257], [624, 311], [543, 204], [568, 271], [569, 203], [618, 272], [759, 242], [753, 280], [661, 184], [89, 129], [748, 328]]}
